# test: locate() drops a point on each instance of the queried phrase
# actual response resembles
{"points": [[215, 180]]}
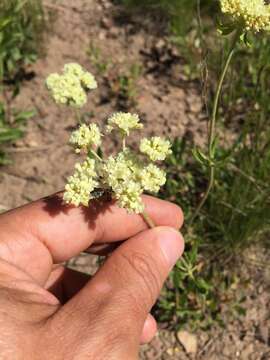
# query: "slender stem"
{"points": [[206, 194], [148, 220], [78, 115], [96, 155], [124, 143], [213, 122]]}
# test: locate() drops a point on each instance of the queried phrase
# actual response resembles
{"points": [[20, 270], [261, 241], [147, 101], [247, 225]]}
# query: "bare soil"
{"points": [[168, 103]]}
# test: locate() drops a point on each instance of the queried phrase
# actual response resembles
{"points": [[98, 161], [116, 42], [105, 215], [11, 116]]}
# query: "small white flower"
{"points": [[124, 122], [155, 148]]}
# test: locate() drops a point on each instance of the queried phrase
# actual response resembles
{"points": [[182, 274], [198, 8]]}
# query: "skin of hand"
{"points": [[50, 312]]}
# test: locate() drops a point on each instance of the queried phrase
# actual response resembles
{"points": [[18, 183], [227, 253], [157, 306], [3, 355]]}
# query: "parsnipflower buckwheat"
{"points": [[253, 14], [71, 86], [85, 137], [152, 178], [124, 175], [156, 148], [124, 122], [80, 185]]}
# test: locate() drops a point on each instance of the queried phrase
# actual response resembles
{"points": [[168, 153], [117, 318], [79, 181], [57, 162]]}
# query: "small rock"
{"points": [[32, 143], [160, 44], [263, 333], [247, 352], [106, 23], [188, 341], [114, 32]]}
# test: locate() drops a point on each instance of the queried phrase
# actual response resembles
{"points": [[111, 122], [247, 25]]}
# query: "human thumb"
{"points": [[127, 286]]}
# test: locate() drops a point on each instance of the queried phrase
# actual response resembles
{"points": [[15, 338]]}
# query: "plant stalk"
{"points": [[93, 152], [213, 125], [148, 220]]}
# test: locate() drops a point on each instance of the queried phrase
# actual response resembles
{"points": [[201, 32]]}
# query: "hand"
{"points": [[50, 312]]}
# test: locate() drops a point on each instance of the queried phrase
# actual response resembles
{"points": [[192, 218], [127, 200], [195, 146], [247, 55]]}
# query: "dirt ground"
{"points": [[168, 104]]}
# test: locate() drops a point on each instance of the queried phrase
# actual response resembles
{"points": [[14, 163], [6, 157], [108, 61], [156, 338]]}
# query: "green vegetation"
{"points": [[22, 26], [236, 215], [11, 128], [97, 60], [126, 85]]}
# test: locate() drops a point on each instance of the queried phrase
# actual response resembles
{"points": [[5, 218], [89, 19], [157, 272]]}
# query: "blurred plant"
{"points": [[12, 125], [97, 59], [180, 13], [121, 83], [21, 27], [126, 85]]}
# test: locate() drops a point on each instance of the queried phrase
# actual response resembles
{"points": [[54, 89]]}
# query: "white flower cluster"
{"points": [[124, 122], [254, 14], [156, 148], [85, 138], [81, 183], [71, 87], [125, 175]]}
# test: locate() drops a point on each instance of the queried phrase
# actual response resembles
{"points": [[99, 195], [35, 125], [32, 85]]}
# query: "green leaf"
{"points": [[23, 116], [200, 157], [7, 135]]}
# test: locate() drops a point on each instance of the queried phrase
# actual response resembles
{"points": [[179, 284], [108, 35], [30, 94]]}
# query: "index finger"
{"points": [[66, 230]]}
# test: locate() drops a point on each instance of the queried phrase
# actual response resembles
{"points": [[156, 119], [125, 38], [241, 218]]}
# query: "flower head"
{"points": [[129, 197], [254, 14], [152, 178], [70, 87], [124, 122], [80, 185], [122, 174], [87, 79], [86, 137], [155, 148]]}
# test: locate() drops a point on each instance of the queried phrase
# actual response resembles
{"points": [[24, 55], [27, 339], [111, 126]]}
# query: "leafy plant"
{"points": [[127, 85], [21, 27], [236, 216], [96, 58], [11, 128]]}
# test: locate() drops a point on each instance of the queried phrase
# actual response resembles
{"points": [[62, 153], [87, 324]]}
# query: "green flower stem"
{"points": [[213, 123], [78, 115], [92, 152], [148, 220]]}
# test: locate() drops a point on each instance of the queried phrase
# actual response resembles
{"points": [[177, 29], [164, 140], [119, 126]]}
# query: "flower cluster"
{"points": [[155, 148], [253, 14], [71, 87], [124, 122], [125, 175], [85, 138], [81, 183]]}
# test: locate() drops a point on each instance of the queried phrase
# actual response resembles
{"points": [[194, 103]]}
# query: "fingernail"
{"points": [[171, 243]]}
